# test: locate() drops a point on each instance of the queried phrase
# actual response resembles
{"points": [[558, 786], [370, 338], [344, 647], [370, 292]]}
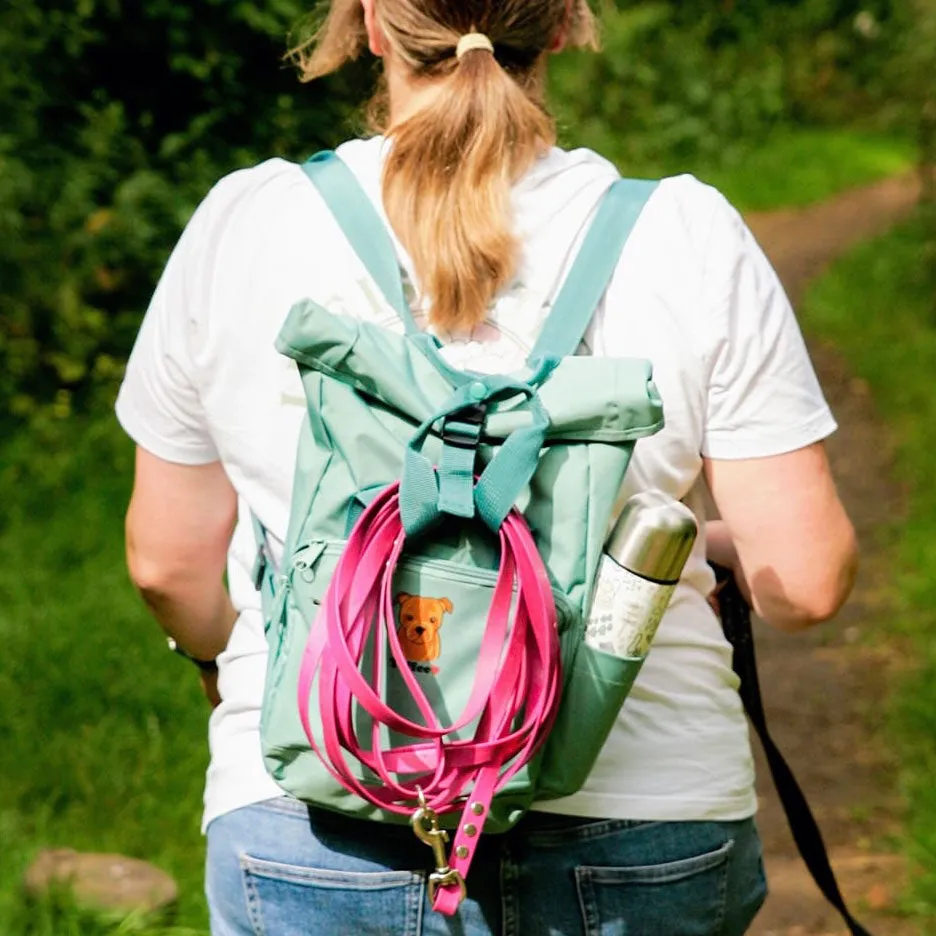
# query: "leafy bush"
{"points": [[116, 118], [659, 94], [689, 81]]}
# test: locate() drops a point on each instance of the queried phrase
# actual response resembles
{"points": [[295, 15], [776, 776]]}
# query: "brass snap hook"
{"points": [[425, 824]]}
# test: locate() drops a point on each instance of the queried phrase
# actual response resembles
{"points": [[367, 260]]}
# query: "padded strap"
{"points": [[362, 225], [591, 272], [736, 621]]}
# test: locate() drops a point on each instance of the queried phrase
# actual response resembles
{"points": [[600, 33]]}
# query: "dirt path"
{"points": [[823, 691]]}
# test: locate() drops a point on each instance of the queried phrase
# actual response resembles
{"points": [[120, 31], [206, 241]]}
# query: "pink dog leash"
{"points": [[518, 676]]}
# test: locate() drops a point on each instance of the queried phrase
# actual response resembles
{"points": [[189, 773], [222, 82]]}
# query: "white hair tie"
{"points": [[471, 41]]}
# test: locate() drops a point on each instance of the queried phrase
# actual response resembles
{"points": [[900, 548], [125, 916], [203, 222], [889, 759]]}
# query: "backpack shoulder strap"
{"points": [[580, 295], [362, 226], [592, 270]]}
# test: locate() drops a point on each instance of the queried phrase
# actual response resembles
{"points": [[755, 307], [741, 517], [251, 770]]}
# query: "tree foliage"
{"points": [[703, 80], [116, 118]]}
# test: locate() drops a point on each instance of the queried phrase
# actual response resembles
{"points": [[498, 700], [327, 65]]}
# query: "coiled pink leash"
{"points": [[514, 697]]}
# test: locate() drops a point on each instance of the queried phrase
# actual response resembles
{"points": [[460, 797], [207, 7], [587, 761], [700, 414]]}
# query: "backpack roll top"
{"points": [[427, 662], [383, 389], [393, 372]]}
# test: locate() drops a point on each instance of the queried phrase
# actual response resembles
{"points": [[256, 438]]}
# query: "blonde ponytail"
{"points": [[452, 164], [447, 185]]}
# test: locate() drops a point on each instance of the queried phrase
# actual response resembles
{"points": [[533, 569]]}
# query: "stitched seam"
{"points": [[510, 918], [593, 830], [665, 873], [590, 920], [251, 899], [328, 878], [723, 901], [417, 900], [285, 805]]}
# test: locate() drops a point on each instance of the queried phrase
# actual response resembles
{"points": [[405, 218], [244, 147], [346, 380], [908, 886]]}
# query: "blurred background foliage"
{"points": [[116, 118]]}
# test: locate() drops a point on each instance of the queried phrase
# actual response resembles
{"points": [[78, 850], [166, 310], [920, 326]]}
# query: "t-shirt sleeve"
{"points": [[159, 404], [763, 394]]}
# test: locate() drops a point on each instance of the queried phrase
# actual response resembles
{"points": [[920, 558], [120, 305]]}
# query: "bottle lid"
{"points": [[653, 537]]}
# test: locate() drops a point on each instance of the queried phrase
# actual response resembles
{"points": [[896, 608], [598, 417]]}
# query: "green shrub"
{"points": [[689, 81], [116, 118], [659, 94]]}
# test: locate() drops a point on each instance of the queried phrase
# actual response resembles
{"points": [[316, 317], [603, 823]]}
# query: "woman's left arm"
{"points": [[179, 526]]}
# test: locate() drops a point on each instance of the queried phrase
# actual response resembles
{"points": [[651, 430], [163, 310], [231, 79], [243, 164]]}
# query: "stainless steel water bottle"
{"points": [[643, 559]]}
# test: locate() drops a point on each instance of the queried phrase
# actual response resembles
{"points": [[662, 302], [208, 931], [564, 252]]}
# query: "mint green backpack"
{"points": [[478, 459]]}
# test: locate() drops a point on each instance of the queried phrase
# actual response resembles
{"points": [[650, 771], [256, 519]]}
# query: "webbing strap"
{"points": [[460, 438], [736, 621], [505, 476], [362, 225], [591, 272], [578, 298]]}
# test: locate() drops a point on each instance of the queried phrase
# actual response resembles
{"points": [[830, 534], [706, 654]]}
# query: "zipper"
{"points": [[308, 556]]}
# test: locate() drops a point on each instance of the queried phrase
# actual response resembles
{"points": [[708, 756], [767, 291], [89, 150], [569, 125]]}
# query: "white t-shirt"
{"points": [[693, 293]]}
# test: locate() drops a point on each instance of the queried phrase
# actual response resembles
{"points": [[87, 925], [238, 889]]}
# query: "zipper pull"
{"points": [[306, 558]]}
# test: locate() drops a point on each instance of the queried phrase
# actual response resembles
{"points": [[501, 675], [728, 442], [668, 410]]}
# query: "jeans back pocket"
{"points": [[288, 900], [686, 896]]}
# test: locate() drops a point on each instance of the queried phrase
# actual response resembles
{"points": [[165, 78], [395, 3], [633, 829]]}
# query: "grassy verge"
{"points": [[102, 731], [797, 166], [878, 306], [803, 166]]}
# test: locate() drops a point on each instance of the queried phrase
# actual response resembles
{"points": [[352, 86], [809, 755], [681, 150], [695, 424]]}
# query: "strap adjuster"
{"points": [[462, 429]]}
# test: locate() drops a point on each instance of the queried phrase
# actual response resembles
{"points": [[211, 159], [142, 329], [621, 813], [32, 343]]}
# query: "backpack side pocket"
{"points": [[593, 695]]}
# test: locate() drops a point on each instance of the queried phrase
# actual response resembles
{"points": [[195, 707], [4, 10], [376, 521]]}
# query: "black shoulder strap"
{"points": [[736, 621]]}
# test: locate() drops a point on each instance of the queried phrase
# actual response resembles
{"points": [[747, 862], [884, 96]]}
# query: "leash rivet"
{"points": [[477, 809], [470, 830], [462, 851]]}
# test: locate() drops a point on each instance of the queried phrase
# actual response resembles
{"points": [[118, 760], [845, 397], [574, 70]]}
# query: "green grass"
{"points": [[878, 306], [804, 166], [797, 166], [102, 731]]}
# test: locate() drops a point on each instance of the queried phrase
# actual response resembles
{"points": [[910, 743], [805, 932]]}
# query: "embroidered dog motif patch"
{"points": [[420, 620]]}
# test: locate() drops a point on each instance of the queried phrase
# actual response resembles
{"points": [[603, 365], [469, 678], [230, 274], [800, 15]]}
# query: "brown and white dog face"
{"points": [[420, 620]]}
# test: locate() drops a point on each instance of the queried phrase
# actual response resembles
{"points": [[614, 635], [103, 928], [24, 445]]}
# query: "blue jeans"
{"points": [[282, 869]]}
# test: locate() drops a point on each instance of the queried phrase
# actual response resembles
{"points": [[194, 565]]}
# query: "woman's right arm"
{"points": [[792, 540]]}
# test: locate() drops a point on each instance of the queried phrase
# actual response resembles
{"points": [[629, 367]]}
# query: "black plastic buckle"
{"points": [[473, 415], [263, 562]]}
